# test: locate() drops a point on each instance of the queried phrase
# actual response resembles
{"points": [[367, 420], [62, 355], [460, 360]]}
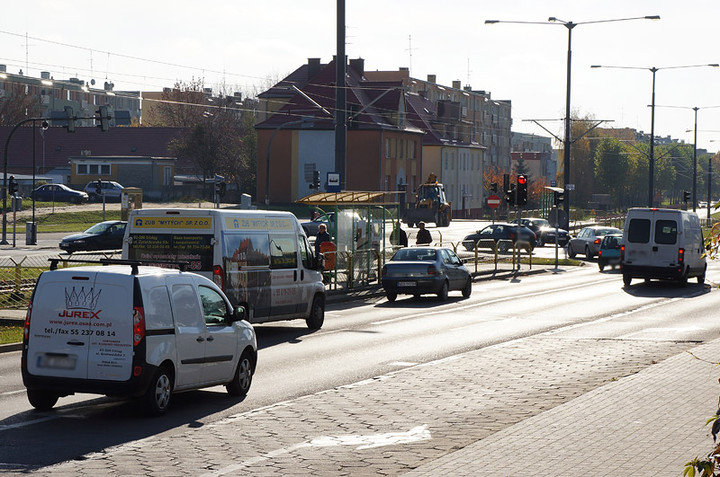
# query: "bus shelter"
{"points": [[360, 224]]}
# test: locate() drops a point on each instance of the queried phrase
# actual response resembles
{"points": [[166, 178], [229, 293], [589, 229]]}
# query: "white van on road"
{"points": [[132, 331], [261, 259], [663, 244]]}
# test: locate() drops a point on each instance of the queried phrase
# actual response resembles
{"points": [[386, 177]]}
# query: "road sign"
{"points": [[493, 201], [333, 182]]}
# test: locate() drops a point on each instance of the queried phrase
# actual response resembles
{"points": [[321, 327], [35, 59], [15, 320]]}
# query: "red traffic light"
{"points": [[521, 179]]}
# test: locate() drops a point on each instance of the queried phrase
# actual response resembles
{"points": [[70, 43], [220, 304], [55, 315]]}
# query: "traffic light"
{"points": [[98, 187], [686, 196], [316, 180], [220, 188], [12, 185], [521, 190], [70, 119], [558, 197], [494, 187], [510, 195], [105, 114]]}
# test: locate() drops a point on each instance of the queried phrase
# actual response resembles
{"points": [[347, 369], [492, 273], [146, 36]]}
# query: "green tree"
{"points": [[611, 169]]}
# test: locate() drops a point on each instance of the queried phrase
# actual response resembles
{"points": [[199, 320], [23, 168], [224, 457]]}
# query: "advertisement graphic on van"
{"points": [[196, 249]]}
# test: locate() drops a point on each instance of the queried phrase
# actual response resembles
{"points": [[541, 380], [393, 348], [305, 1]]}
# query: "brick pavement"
{"points": [[647, 424], [473, 413]]}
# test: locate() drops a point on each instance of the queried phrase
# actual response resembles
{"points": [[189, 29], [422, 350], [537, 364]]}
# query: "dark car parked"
{"points": [[544, 231], [501, 235], [103, 236], [58, 193], [420, 270], [588, 240]]}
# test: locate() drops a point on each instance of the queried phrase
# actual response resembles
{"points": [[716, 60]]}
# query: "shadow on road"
{"points": [[270, 335], [429, 301], [94, 425], [666, 289]]}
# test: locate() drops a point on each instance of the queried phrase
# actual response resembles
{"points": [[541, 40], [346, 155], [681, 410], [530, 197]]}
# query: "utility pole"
{"points": [[340, 96]]}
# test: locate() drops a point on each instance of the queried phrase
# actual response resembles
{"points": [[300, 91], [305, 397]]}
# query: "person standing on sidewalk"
{"points": [[322, 236], [398, 236], [423, 235]]}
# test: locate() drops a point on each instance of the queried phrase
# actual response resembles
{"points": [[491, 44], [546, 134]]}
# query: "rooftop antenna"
{"points": [[410, 50]]}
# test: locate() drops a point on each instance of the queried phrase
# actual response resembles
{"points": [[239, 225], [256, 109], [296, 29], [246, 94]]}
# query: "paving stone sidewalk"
{"points": [[647, 424], [435, 417]]}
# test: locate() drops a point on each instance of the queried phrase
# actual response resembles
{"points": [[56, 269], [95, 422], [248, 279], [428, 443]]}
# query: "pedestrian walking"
{"points": [[423, 235], [398, 236]]}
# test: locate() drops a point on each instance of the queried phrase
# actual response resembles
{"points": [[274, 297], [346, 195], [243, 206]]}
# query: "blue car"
{"points": [[58, 193], [609, 252]]}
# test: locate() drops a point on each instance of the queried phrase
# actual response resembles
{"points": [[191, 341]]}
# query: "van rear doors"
{"points": [[81, 326], [652, 238]]}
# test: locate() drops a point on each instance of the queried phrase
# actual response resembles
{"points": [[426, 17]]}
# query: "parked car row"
{"points": [[62, 193]]}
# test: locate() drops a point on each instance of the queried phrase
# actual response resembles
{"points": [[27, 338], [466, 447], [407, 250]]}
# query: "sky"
{"points": [[248, 45]]}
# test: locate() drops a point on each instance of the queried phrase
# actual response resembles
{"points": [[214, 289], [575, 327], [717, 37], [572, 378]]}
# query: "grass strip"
{"points": [[11, 334]]}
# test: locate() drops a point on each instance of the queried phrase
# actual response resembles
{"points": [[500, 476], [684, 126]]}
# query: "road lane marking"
{"points": [[371, 441], [402, 364], [453, 309], [11, 393]]}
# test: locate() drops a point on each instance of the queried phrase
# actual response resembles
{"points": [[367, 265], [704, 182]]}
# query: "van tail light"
{"points": [[432, 270], [218, 277], [622, 252], [681, 256], [138, 325], [597, 241], [26, 327]]}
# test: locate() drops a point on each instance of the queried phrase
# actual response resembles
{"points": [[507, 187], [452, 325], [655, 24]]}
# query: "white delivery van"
{"points": [[261, 259], [664, 244], [132, 331]]}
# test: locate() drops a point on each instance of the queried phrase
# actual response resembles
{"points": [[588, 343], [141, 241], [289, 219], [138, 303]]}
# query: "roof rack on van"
{"points": [[118, 261]]}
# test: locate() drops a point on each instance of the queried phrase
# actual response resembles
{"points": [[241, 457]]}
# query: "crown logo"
{"points": [[81, 300]]}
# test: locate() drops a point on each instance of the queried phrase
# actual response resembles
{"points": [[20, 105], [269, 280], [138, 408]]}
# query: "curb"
{"points": [[6, 348]]}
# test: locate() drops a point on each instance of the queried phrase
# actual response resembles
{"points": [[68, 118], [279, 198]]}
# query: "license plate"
{"points": [[406, 284], [57, 362]]}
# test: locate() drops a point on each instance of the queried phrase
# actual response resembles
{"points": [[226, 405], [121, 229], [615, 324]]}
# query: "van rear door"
{"points": [[60, 324], [110, 349], [638, 246], [665, 238]]}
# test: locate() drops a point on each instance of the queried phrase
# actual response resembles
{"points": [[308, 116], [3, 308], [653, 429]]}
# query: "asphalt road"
{"points": [[361, 340]]}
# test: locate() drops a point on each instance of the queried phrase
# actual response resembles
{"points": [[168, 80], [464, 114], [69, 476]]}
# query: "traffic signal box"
{"points": [[521, 190], [316, 180], [558, 197], [686, 196]]}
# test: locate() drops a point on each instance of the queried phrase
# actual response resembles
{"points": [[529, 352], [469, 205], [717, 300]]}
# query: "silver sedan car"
{"points": [[588, 240]]}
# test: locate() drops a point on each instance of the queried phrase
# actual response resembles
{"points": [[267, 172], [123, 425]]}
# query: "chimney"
{"points": [[237, 95], [456, 84], [108, 86], [404, 69], [431, 79], [358, 65], [166, 90], [313, 66], [45, 75], [207, 91], [3, 68], [467, 87]]}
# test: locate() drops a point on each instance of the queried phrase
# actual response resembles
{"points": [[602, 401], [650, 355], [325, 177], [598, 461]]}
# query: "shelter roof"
{"points": [[350, 198]]}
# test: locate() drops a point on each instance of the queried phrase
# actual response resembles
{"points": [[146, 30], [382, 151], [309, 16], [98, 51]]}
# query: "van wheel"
{"points": [[317, 314], [391, 296], [157, 397], [42, 400], [627, 279], [701, 278], [240, 384], [683, 278]]}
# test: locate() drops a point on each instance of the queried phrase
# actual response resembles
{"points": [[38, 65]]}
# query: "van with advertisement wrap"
{"points": [[261, 259], [126, 330]]}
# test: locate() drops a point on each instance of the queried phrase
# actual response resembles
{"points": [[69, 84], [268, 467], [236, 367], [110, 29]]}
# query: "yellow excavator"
{"points": [[430, 205]]}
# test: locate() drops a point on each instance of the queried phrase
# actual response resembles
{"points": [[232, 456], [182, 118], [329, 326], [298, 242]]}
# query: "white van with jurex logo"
{"points": [[261, 259], [664, 244], [132, 331]]}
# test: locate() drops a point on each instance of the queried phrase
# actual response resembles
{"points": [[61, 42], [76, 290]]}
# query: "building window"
{"points": [[93, 169], [387, 147]]}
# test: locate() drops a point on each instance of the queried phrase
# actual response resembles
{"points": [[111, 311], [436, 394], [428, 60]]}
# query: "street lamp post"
{"points": [[567, 139], [651, 161]]}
